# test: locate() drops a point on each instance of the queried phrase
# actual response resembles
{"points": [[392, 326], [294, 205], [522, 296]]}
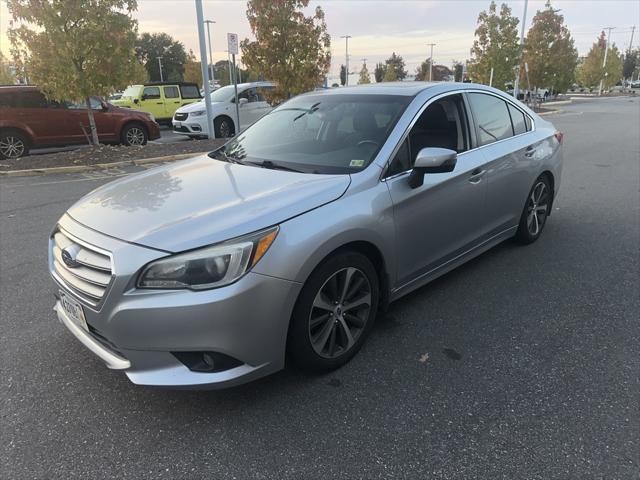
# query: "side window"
{"points": [[190, 91], [492, 117], [261, 93], [171, 92], [151, 93], [518, 121], [31, 99], [527, 120], [250, 94], [402, 160]]}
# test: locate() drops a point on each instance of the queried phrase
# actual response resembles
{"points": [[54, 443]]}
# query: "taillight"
{"points": [[559, 136]]}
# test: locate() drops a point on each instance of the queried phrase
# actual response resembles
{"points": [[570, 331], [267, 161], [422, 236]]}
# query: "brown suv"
{"points": [[28, 119]]}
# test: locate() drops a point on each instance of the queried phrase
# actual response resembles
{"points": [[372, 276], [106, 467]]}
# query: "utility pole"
{"points": [[160, 66], [431, 60], [524, 21], [346, 64], [203, 68], [211, 70], [633, 29], [604, 62]]}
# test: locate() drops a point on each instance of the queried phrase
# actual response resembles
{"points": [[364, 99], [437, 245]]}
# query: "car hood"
{"points": [[201, 201], [196, 106]]}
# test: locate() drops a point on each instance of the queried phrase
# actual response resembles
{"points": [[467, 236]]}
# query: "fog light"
{"points": [[207, 362]]}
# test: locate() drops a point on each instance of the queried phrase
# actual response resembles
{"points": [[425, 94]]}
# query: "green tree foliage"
{"points": [[591, 72], [290, 49], [364, 75], [76, 48], [395, 63], [150, 46], [343, 75], [631, 63], [495, 46], [549, 51], [390, 75], [378, 72], [458, 68], [440, 72], [192, 69], [6, 75]]}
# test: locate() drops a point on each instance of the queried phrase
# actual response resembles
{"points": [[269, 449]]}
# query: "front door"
{"points": [[445, 216], [152, 102], [249, 110]]}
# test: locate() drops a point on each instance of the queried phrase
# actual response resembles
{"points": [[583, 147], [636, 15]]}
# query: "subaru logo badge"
{"points": [[69, 256]]}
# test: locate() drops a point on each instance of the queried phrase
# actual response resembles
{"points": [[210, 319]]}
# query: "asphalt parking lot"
{"points": [[522, 364]]}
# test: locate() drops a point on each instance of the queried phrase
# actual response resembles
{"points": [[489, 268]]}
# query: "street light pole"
{"points": [[160, 65], [203, 68], [431, 60], [524, 21], [346, 65], [211, 70], [604, 62]]}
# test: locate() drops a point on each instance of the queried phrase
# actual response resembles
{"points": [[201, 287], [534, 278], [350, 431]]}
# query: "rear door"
{"points": [[503, 132], [172, 100], [446, 215]]}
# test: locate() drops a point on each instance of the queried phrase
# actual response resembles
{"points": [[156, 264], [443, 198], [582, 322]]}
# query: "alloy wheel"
{"points": [[340, 312], [135, 136], [11, 147], [225, 129], [537, 208]]}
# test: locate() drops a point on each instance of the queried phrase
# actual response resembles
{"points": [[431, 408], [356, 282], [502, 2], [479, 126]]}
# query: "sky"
{"points": [[380, 27]]}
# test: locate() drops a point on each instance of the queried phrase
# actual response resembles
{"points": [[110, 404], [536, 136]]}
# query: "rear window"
{"points": [[517, 118], [190, 91], [23, 99], [492, 117], [171, 92]]}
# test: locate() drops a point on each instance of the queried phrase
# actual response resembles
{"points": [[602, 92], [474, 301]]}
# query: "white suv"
{"points": [[191, 119]]}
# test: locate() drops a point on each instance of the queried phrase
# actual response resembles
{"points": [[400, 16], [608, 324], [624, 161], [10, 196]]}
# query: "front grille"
{"points": [[181, 129], [180, 116], [92, 272]]}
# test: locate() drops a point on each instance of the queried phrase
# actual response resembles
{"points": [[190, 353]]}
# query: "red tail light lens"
{"points": [[559, 136]]}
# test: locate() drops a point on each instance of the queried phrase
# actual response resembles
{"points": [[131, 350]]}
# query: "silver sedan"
{"points": [[291, 237]]}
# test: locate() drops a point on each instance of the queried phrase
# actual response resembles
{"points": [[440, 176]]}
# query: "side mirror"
{"points": [[135, 100], [432, 160], [242, 101]]}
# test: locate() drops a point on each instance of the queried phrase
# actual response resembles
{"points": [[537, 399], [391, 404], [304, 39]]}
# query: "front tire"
{"points": [[134, 135], [334, 313], [223, 127], [536, 210], [13, 145]]}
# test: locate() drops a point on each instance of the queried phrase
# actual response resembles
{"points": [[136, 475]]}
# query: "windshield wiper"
{"points": [[313, 108], [274, 166]]}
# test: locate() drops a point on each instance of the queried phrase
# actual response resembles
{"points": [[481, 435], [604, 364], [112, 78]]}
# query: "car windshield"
{"points": [[132, 91], [224, 94], [319, 133]]}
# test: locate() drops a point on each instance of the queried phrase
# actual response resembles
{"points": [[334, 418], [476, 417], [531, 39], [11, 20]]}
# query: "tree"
{"points": [[6, 75], [73, 54], [396, 63], [192, 69], [549, 51], [495, 46], [390, 75], [591, 72], [290, 49], [343, 75], [364, 74], [458, 69], [440, 72], [631, 63], [150, 46], [378, 72]]}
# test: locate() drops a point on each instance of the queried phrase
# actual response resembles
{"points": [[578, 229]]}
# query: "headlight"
{"points": [[197, 113], [210, 267]]}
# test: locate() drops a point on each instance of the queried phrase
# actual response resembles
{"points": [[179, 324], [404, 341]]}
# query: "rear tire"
{"points": [[536, 210], [134, 135], [13, 144], [334, 313], [223, 127]]}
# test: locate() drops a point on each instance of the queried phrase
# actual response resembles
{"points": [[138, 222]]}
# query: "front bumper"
{"points": [[190, 128], [137, 330], [154, 130]]}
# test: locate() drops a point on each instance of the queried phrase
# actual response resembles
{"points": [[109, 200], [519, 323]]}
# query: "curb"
{"points": [[559, 102], [542, 114], [97, 166]]}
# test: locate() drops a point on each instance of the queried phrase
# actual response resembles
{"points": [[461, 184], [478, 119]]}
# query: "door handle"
{"points": [[529, 152], [477, 175], [158, 103]]}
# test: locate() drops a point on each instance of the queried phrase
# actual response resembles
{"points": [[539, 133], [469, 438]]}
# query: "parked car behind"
{"points": [[191, 119], [159, 99], [291, 236], [28, 120]]}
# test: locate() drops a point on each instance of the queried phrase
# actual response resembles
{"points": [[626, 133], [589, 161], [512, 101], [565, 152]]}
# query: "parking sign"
{"points": [[232, 43]]}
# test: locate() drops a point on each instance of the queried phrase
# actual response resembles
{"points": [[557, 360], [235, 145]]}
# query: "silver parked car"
{"points": [[294, 234]]}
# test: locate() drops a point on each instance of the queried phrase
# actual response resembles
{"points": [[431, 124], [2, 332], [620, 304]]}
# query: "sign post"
{"points": [[204, 68], [232, 47]]}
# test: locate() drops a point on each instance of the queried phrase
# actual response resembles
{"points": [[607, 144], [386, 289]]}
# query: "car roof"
{"points": [[409, 88]]}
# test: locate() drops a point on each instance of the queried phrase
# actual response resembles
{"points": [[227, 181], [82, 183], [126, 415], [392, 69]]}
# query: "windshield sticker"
{"points": [[356, 163]]}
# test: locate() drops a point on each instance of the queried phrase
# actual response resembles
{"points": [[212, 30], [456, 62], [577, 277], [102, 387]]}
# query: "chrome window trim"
{"points": [[472, 122]]}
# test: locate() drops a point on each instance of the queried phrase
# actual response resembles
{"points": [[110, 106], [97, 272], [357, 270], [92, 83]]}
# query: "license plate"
{"points": [[73, 310], [177, 124]]}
